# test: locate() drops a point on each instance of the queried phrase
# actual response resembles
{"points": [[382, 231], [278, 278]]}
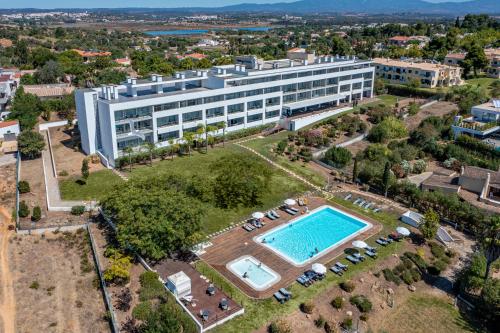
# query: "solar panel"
{"points": [[496, 103]]}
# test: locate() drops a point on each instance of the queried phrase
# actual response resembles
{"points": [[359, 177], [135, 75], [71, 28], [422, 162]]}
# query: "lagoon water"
{"points": [[202, 31]]}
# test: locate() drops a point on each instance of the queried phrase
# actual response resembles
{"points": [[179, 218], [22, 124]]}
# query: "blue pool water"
{"points": [[253, 272], [310, 236], [202, 31]]}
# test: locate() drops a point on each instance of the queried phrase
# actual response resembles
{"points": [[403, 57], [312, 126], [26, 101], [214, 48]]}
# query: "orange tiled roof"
{"points": [[4, 42], [8, 123], [400, 38], [90, 54]]}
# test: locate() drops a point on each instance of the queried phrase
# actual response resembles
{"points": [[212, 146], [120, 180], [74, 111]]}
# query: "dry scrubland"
{"points": [[55, 284]]}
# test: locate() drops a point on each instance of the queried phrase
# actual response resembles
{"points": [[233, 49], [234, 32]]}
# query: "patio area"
{"points": [[239, 242]]}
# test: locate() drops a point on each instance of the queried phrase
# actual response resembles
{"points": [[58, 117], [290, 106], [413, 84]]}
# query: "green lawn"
{"points": [[260, 312], [279, 188], [425, 313], [97, 185]]}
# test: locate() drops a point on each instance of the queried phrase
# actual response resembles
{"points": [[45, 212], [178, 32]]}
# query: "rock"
{"points": [[362, 280], [412, 288], [382, 305], [390, 291], [308, 316], [349, 313]]}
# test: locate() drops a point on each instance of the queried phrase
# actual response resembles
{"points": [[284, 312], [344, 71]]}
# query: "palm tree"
{"points": [[200, 130], [171, 148], [128, 150], [210, 129], [150, 148], [222, 125], [188, 137]]}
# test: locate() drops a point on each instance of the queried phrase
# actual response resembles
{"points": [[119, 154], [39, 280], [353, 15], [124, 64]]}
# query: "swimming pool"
{"points": [[308, 237], [253, 272]]}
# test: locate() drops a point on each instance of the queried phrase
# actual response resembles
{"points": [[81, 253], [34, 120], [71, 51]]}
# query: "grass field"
{"points": [[260, 312], [425, 313], [279, 188]]}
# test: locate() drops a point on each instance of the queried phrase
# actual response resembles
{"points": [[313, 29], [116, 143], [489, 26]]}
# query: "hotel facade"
{"points": [[248, 94]]}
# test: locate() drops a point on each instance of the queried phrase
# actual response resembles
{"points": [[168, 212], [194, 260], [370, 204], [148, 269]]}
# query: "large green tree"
{"points": [[30, 144], [26, 108], [475, 59], [430, 224]]}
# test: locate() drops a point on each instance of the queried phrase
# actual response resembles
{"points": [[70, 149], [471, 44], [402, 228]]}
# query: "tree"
{"points": [[200, 130], [128, 150], [23, 186], [471, 278], [152, 217], [119, 269], [222, 125], [489, 302], [386, 177], [476, 58], [340, 46], [337, 157], [49, 73], [188, 138], [490, 236], [390, 128], [467, 96], [85, 169], [37, 214], [430, 224], [355, 170], [413, 83], [30, 144], [150, 148], [26, 108], [240, 180]]}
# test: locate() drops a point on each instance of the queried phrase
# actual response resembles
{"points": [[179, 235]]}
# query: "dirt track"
{"points": [[7, 300]]}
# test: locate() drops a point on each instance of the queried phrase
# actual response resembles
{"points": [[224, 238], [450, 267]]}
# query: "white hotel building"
{"points": [[250, 93]]}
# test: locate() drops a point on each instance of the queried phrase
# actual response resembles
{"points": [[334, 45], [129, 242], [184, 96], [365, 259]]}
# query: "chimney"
{"points": [[259, 67], [177, 75], [115, 92], [153, 77], [306, 62], [291, 63]]}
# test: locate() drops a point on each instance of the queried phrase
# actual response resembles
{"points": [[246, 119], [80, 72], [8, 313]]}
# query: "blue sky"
{"points": [[134, 3]]}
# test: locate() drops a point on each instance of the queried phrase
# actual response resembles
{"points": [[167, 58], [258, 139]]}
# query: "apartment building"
{"points": [[493, 56], [429, 75], [250, 93], [483, 122]]}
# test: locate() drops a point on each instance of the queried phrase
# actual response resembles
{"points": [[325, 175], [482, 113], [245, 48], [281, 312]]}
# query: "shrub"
{"points": [[320, 321], [391, 277], [407, 277], [142, 311], [24, 210], [280, 326], [34, 285], [437, 250], [77, 210], [417, 260], [437, 267], [151, 287], [347, 286], [363, 317], [361, 302], [337, 302], [337, 157], [347, 323], [119, 269], [407, 263], [419, 166], [63, 173], [307, 307], [415, 274], [23, 186], [330, 327], [390, 128], [37, 214]]}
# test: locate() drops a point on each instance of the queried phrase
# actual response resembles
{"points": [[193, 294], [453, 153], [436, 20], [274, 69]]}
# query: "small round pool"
{"points": [[253, 272]]}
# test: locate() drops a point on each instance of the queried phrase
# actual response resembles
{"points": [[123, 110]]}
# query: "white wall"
{"points": [[10, 129], [299, 123]]}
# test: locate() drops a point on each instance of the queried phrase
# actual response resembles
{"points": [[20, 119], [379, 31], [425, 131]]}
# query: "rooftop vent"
{"points": [[496, 103]]}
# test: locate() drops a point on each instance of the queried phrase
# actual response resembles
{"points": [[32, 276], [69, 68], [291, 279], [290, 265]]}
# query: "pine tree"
{"points": [[355, 170], [386, 177], [457, 22], [85, 169]]}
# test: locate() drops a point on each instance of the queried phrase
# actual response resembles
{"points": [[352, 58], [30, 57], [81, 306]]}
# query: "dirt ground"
{"points": [[55, 284], [66, 157], [8, 186], [436, 109], [379, 291], [122, 315]]}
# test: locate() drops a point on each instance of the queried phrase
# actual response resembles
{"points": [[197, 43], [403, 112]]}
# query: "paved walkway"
{"points": [[7, 159], [53, 195]]}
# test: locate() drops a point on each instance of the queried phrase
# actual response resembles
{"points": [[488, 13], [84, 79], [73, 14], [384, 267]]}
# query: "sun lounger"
{"points": [[348, 196], [291, 212], [293, 209], [248, 227], [376, 210], [369, 205], [388, 240], [371, 254], [301, 202], [279, 297], [371, 249], [211, 290], [303, 280], [257, 224], [276, 215], [352, 259], [381, 242], [341, 265], [358, 256], [361, 203], [336, 270], [358, 200], [271, 216], [285, 293]]}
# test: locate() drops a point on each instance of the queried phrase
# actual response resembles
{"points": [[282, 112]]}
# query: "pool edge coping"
{"points": [[255, 261]]}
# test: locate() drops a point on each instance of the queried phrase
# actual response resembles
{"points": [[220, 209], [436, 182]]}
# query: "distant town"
{"points": [[250, 169]]}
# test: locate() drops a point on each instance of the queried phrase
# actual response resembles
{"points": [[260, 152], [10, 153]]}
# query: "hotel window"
{"points": [[334, 70], [320, 72], [332, 90], [122, 128], [133, 113], [191, 102], [289, 98], [166, 106], [254, 117], [167, 136], [272, 89], [289, 87], [272, 114], [192, 116], [235, 122], [345, 87], [289, 76], [143, 124], [332, 80], [357, 76], [304, 95], [215, 112], [304, 74], [235, 95], [272, 101], [213, 99], [318, 83], [345, 78], [318, 93], [356, 85], [190, 129], [254, 105], [167, 121], [235, 108], [304, 85], [254, 92], [368, 75]]}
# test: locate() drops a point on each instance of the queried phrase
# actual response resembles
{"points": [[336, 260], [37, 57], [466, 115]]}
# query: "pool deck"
{"points": [[239, 242]]}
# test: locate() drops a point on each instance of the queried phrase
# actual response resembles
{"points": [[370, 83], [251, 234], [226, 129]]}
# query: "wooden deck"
{"points": [[239, 242]]}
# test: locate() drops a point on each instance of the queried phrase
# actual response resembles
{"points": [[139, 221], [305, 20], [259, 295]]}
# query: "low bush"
{"points": [[330, 327], [151, 287], [348, 286], [34, 285], [437, 267], [23, 186], [142, 311], [361, 302], [337, 302], [407, 277], [363, 317], [77, 210], [279, 326], [437, 250], [347, 323], [307, 307], [63, 173], [417, 260], [320, 321], [415, 273], [391, 277], [24, 210], [37, 214]]}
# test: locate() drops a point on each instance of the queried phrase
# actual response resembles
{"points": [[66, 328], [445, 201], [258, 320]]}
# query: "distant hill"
{"points": [[371, 7]]}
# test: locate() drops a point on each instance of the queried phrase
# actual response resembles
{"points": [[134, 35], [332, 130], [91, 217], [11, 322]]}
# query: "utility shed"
{"points": [[412, 218], [179, 284]]}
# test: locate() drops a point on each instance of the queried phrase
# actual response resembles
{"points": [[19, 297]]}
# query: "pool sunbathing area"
{"points": [[317, 233]]}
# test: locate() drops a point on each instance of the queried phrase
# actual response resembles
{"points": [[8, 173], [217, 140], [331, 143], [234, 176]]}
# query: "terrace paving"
{"points": [[238, 242]]}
